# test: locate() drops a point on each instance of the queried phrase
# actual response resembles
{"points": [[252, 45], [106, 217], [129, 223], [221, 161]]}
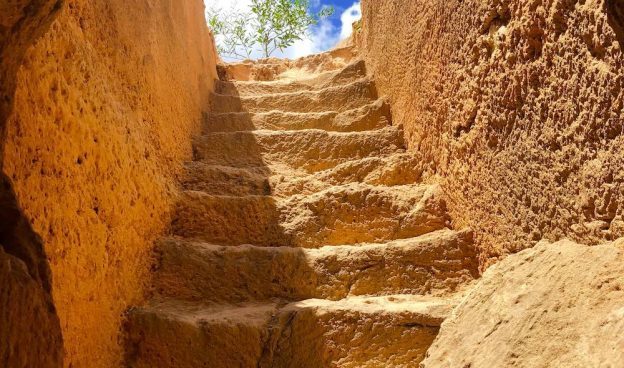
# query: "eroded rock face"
{"points": [[30, 332], [556, 305], [105, 104], [518, 103]]}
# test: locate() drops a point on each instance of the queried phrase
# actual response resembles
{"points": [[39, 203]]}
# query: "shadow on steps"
{"points": [[210, 198], [351, 270]]}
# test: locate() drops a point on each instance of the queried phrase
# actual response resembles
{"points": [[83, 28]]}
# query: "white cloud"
{"points": [[321, 38], [348, 17], [228, 4]]}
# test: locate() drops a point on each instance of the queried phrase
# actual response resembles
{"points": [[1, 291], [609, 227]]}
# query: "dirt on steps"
{"points": [[303, 236]]}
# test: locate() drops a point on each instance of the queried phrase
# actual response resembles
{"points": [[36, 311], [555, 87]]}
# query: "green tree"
{"points": [[270, 25]]}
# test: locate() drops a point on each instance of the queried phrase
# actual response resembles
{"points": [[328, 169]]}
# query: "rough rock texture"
{"points": [[354, 332], [308, 242], [105, 104], [556, 305], [435, 263], [346, 214], [30, 332], [518, 105], [321, 66]]}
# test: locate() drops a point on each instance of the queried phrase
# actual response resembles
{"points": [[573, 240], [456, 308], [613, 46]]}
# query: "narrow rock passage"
{"points": [[302, 236]]}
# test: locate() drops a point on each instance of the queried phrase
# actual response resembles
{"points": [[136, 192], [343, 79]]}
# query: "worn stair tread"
{"points": [[371, 116], [391, 170], [338, 98], [310, 149], [226, 180], [191, 312], [389, 331], [351, 73], [280, 69], [361, 82], [434, 263], [345, 214], [427, 310], [170, 333]]}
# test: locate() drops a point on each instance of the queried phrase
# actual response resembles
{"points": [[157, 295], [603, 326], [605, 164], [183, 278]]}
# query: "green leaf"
{"points": [[271, 25]]}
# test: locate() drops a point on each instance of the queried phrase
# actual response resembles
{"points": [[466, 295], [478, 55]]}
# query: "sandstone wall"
{"points": [[30, 332], [516, 104], [535, 309], [105, 104]]}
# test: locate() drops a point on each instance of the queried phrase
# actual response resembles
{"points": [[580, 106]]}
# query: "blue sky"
{"points": [[340, 6], [322, 37]]}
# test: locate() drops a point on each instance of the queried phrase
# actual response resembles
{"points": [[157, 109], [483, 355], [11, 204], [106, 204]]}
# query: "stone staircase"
{"points": [[302, 236]]}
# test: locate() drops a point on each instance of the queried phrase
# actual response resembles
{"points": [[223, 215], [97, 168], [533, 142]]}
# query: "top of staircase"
{"points": [[273, 69]]}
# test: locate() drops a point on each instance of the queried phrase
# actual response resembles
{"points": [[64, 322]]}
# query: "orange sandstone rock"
{"points": [[519, 104], [107, 101], [556, 305], [305, 236]]}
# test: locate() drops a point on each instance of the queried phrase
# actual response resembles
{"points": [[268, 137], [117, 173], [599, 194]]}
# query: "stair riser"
{"points": [[347, 339], [220, 180], [270, 69], [395, 170], [332, 218], [422, 266], [155, 341], [331, 99], [294, 338], [311, 150], [370, 117], [229, 220], [350, 74], [233, 88]]}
